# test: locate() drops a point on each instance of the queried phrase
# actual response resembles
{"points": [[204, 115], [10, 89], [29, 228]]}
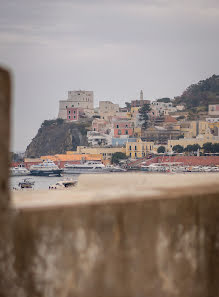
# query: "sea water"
{"points": [[41, 182]]}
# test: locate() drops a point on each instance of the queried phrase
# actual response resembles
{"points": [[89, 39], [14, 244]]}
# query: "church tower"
{"points": [[141, 95]]}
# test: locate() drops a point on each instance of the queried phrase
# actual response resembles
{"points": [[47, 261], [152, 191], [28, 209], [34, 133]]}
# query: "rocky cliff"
{"points": [[57, 137]]}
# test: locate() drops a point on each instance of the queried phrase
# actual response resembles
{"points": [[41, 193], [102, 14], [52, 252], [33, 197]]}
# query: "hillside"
{"points": [[56, 137], [198, 96]]}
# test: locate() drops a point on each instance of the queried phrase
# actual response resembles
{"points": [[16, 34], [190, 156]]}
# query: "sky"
{"points": [[114, 48]]}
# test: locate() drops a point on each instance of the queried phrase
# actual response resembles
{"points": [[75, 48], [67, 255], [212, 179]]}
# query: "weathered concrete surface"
{"points": [[155, 237]]}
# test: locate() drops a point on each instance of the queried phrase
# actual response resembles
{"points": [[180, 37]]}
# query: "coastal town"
{"points": [[147, 135]]}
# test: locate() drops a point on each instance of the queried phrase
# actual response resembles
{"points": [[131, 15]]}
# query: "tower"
{"points": [[141, 95]]}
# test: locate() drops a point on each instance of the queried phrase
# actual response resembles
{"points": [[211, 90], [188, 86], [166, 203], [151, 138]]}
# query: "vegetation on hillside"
{"points": [[198, 96], [143, 115]]}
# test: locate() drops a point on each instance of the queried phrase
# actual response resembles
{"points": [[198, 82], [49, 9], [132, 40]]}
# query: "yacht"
{"points": [[87, 167], [47, 168], [20, 170]]}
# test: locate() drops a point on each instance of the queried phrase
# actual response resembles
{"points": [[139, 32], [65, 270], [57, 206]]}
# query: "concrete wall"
{"points": [[119, 235]]}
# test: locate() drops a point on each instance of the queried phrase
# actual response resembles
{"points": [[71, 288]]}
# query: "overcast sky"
{"points": [[115, 48]]}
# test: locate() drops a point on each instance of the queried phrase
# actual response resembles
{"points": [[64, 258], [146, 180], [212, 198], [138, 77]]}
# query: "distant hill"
{"points": [[198, 96], [56, 137]]}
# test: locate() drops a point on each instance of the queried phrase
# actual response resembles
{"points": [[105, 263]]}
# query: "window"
{"points": [[130, 147], [119, 132], [74, 117], [126, 126], [69, 117], [135, 148], [74, 111], [66, 106], [117, 126], [69, 111], [135, 154], [72, 106], [126, 132], [130, 154]]}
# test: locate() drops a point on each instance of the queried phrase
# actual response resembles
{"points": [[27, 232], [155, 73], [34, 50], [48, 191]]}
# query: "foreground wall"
{"points": [[111, 238]]}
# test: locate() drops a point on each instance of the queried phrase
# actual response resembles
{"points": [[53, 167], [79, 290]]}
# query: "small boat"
{"points": [[112, 168], [47, 168], [20, 170], [64, 184], [26, 183]]}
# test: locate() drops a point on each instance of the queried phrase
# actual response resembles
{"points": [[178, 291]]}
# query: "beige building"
{"points": [[190, 141], [106, 152], [194, 128], [77, 99], [108, 107], [138, 149], [213, 109]]}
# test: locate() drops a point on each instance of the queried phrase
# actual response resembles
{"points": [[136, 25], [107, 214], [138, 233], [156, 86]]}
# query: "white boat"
{"points": [[63, 184], [112, 168], [20, 170], [47, 168], [87, 167]]}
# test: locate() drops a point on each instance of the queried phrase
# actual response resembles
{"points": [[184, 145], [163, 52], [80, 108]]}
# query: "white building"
{"points": [[77, 99], [162, 108], [213, 109]]}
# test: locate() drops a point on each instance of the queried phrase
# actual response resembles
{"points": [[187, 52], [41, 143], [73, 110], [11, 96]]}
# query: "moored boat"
{"points": [[47, 168], [63, 184], [86, 167], [20, 170], [26, 183]]}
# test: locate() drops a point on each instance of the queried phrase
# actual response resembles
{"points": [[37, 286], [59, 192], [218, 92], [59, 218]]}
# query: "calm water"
{"points": [[41, 182]]}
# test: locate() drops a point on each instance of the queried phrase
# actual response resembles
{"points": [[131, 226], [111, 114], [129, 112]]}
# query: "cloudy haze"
{"points": [[115, 48]]}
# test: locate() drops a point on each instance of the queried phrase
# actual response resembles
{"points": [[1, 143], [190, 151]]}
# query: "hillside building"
{"points": [[108, 107], [74, 114], [123, 128], [213, 109], [105, 152], [141, 102], [83, 100], [139, 149]]}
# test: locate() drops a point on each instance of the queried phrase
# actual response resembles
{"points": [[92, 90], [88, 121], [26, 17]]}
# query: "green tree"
{"points": [[116, 157], [128, 105], [181, 136], [165, 100], [178, 149], [192, 148], [161, 149], [195, 147], [215, 148], [207, 147], [143, 112]]}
